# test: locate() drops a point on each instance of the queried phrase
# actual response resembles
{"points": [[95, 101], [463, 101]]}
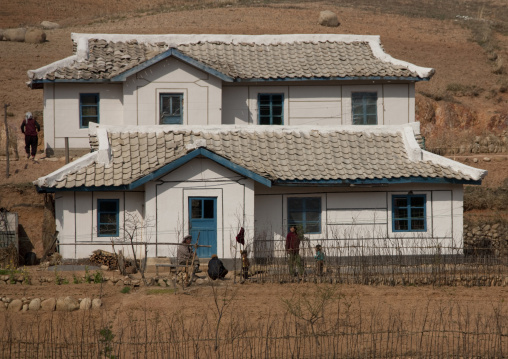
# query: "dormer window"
{"points": [[171, 108], [364, 106], [270, 108]]}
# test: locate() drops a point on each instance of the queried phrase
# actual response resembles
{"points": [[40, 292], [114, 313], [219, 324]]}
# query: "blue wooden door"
{"points": [[203, 220]]}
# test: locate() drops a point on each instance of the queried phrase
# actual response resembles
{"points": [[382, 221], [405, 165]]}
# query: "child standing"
{"points": [[245, 264], [320, 259]]}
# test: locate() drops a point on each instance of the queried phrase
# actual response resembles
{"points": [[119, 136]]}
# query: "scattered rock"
{"points": [[48, 25], [328, 18], [15, 34], [15, 305], [475, 160], [48, 304], [67, 304], [25, 308], [486, 159], [35, 36], [104, 267], [35, 304], [85, 304], [96, 303]]}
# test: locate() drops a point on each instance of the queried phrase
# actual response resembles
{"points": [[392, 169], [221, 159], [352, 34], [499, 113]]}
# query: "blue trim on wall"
{"points": [[116, 213], [375, 181], [172, 53], [334, 78], [409, 214]]}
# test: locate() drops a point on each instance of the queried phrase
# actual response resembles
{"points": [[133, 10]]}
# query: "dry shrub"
{"points": [[498, 122]]}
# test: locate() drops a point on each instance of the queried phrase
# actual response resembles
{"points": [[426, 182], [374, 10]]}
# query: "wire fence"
{"points": [[387, 262], [341, 329]]}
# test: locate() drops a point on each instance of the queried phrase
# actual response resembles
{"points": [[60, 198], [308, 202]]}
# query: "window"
{"points": [[270, 109], [171, 108], [364, 106], [88, 109], [305, 212], [107, 218], [408, 213]]}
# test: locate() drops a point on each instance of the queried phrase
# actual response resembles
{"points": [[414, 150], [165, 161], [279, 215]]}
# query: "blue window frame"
{"points": [[305, 212], [171, 108], [364, 105], [409, 213], [107, 217], [88, 109], [271, 109]]}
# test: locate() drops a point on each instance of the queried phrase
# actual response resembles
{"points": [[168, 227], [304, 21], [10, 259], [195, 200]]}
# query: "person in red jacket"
{"points": [[30, 127], [293, 249]]}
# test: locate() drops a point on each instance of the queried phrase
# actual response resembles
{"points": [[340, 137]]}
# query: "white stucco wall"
{"points": [[61, 112], [76, 221], [355, 219], [202, 94], [168, 198], [319, 105]]}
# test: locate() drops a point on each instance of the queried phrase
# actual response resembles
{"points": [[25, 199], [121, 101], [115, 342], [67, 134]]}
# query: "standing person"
{"points": [[185, 253], [216, 269], [320, 259], [245, 264], [30, 127], [293, 249]]}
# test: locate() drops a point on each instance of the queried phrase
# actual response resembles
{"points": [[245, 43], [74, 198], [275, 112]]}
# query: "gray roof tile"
{"points": [[275, 154], [239, 60]]}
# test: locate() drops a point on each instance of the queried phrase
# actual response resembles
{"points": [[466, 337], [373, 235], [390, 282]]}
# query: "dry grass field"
{"points": [[456, 37]]}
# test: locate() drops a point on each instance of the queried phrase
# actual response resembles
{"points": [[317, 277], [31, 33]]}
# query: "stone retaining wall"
{"points": [[486, 239]]}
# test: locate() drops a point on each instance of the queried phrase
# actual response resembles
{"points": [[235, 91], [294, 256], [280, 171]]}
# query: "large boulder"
{"points": [[328, 18], [35, 304], [67, 304], [85, 304], [48, 25], [48, 304], [15, 305], [15, 34], [35, 36]]}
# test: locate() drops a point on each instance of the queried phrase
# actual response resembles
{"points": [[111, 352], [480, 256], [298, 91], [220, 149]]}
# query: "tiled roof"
{"points": [[103, 57], [275, 153]]}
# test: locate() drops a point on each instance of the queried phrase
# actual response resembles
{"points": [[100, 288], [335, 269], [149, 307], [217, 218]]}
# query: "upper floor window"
{"points": [[107, 217], [270, 108], [409, 213], [364, 106], [305, 212], [88, 109], [171, 108]]}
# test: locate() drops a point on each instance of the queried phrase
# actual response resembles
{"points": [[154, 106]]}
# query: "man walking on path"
{"points": [[30, 127]]}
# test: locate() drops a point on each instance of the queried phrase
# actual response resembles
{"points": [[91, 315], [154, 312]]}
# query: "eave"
{"points": [[374, 181], [203, 152]]}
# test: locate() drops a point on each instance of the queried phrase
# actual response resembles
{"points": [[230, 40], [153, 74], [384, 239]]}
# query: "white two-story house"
{"points": [[206, 134]]}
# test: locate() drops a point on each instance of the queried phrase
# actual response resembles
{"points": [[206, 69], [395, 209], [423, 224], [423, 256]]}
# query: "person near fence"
{"points": [[245, 264], [293, 250], [216, 269], [30, 127], [320, 259], [185, 254]]}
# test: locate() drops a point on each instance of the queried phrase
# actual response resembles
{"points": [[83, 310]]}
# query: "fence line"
{"points": [[445, 331]]}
